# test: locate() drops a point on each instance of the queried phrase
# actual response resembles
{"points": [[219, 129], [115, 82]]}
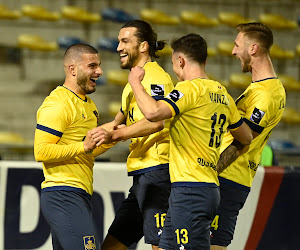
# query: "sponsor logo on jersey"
{"points": [[181, 247], [157, 89], [175, 95], [89, 242], [257, 115]]}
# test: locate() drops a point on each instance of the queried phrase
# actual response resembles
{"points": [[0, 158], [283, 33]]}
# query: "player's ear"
{"points": [[72, 69], [181, 61], [253, 48], [144, 46]]}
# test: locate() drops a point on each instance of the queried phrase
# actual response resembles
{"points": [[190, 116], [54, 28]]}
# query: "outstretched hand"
{"points": [[136, 75]]}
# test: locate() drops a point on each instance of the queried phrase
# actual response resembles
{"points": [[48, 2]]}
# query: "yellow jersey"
{"points": [[202, 110], [148, 152], [63, 120], [261, 106]]}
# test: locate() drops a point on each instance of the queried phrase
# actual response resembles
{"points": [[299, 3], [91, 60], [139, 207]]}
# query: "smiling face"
{"points": [[240, 50], [128, 48], [88, 71]]}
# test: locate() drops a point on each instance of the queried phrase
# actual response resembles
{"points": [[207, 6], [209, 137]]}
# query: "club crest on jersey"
{"points": [[175, 95], [89, 242], [157, 89], [257, 115]]}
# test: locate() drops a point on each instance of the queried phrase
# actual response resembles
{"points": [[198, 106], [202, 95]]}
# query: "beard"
{"points": [[131, 59], [82, 82], [246, 67]]}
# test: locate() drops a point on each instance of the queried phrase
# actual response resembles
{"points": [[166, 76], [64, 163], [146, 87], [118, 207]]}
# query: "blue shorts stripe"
{"points": [[49, 130], [194, 184], [233, 184], [145, 170]]}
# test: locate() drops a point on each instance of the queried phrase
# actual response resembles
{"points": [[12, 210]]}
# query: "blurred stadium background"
{"points": [[35, 34]]}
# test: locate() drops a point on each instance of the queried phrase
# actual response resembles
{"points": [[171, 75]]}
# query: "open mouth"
{"points": [[123, 56]]}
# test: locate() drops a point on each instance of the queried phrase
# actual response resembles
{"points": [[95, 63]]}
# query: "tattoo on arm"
{"points": [[229, 155]]}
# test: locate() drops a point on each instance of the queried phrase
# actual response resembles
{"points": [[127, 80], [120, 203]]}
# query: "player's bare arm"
{"points": [[240, 145], [152, 110]]}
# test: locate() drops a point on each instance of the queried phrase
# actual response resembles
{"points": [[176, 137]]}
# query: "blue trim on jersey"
{"points": [[64, 188], [85, 100], [158, 97], [253, 126], [176, 109], [193, 184], [266, 79], [234, 184], [145, 170], [236, 125], [49, 130]]}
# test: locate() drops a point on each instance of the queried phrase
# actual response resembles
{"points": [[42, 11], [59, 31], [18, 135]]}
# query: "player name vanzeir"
{"points": [[218, 98]]}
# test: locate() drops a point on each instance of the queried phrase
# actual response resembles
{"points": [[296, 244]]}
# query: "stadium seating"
{"points": [[225, 48], [108, 44], [7, 137], [35, 42], [114, 108], [66, 41], [6, 13], [232, 19], [158, 17], [37, 12], [79, 14], [166, 51], [289, 82], [117, 15], [118, 77], [279, 53], [239, 80], [291, 116], [298, 49], [197, 19], [275, 21]]}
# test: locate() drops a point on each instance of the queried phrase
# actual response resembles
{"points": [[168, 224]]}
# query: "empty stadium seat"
{"points": [[6, 13], [39, 13], [7, 137], [117, 15], [240, 80], [197, 19], [118, 77], [291, 116], [298, 49], [65, 42], [225, 48], [279, 53], [166, 51], [233, 19], [114, 108], [79, 14], [158, 17], [289, 82], [276, 21], [35, 42], [108, 44]]}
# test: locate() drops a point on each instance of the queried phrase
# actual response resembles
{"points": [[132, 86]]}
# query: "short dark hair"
{"points": [[193, 46], [259, 32], [146, 33], [76, 50]]}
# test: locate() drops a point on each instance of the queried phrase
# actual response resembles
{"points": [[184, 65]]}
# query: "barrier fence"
{"points": [[269, 219]]}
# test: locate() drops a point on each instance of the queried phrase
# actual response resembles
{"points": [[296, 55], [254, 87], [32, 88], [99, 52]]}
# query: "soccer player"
{"points": [[64, 145], [261, 106], [143, 212], [202, 111]]}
